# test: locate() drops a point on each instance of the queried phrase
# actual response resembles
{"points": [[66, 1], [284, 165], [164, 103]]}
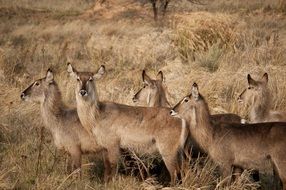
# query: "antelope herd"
{"points": [[105, 127]]}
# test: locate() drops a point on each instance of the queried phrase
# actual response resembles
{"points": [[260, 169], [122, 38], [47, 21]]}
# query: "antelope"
{"points": [[258, 96], [64, 124], [234, 145], [153, 94], [115, 126]]}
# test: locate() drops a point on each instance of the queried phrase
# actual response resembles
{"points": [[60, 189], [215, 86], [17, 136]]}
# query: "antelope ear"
{"points": [[100, 72], [146, 79], [195, 91], [50, 76], [160, 76], [72, 72], [265, 78], [250, 80]]}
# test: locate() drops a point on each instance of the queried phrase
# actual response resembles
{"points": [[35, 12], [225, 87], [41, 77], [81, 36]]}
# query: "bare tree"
{"points": [[163, 5]]}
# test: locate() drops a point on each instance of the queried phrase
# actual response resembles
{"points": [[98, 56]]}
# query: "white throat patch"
{"points": [[193, 118]]}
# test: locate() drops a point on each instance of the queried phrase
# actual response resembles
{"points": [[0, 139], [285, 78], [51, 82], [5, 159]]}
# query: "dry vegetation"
{"points": [[216, 45]]}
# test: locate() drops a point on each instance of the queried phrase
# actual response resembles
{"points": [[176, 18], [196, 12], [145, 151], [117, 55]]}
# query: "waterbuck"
{"points": [[234, 145], [258, 96], [153, 92], [153, 95], [64, 125], [115, 126]]}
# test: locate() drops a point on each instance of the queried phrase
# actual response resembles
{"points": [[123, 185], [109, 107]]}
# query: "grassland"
{"points": [[216, 45]]}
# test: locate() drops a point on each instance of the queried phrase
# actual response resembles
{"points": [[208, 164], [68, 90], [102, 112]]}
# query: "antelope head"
{"points": [[186, 108], [39, 89], [254, 89], [86, 88], [151, 88]]}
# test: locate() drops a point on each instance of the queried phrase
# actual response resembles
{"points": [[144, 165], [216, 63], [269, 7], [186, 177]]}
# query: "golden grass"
{"points": [[203, 31], [215, 48]]}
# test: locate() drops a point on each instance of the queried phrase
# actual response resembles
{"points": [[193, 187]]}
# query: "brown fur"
{"points": [[225, 118], [258, 96], [64, 125], [234, 145], [153, 94], [145, 130]]}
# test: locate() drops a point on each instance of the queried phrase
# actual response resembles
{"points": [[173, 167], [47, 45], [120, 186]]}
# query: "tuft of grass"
{"points": [[202, 32], [211, 58], [5, 183]]}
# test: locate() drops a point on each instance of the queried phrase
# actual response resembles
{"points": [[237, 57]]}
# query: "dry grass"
{"points": [[216, 45]]}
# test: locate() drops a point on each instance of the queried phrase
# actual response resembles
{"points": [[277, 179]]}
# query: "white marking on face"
{"points": [[36, 83], [148, 97], [173, 113], [186, 99], [243, 121]]}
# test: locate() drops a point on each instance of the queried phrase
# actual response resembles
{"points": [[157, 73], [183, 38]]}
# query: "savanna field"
{"points": [[215, 44]]}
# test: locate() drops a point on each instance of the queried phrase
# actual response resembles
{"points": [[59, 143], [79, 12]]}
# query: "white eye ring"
{"points": [[90, 79], [186, 99], [77, 79], [36, 83]]}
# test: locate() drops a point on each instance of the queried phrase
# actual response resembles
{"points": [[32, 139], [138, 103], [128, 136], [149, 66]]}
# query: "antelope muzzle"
{"points": [[83, 92], [173, 113]]}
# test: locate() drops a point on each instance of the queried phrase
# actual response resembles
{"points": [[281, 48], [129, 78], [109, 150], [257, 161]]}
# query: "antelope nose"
{"points": [[83, 92], [134, 99], [172, 112], [22, 96]]}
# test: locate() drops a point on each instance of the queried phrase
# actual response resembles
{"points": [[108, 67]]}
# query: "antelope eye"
{"points": [[77, 79], [90, 79], [250, 87], [186, 100], [37, 83]]}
